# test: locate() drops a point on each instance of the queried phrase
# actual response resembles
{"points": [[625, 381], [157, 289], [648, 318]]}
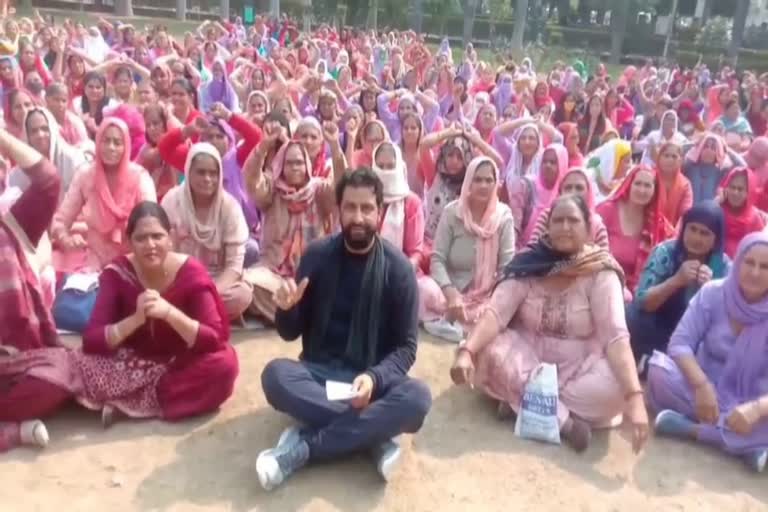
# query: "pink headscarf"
{"points": [[112, 210], [486, 231], [590, 199], [134, 120], [545, 196], [756, 158], [721, 157]]}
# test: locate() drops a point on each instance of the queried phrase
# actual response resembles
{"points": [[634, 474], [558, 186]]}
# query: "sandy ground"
{"points": [[463, 459]]}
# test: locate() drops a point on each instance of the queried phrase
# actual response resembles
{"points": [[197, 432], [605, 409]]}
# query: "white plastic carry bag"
{"points": [[537, 418]]}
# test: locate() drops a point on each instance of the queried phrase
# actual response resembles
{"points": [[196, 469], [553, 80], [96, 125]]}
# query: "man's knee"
{"points": [[274, 379], [417, 400]]}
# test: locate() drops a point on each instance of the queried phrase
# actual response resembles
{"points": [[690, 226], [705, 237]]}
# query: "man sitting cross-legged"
{"points": [[356, 309]]}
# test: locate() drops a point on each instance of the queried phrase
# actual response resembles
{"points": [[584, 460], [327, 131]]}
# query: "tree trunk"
{"points": [[518, 34], [618, 29], [356, 11], [307, 15], [224, 8], [563, 12], [739, 24], [583, 11], [123, 7], [274, 8], [470, 8], [671, 28], [181, 10], [418, 16], [373, 15]]}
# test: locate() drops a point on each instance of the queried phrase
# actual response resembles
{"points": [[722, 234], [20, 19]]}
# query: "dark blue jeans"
{"points": [[297, 388]]}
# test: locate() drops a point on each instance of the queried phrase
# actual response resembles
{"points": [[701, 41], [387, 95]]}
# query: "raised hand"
{"points": [[331, 132], [289, 294], [219, 111]]}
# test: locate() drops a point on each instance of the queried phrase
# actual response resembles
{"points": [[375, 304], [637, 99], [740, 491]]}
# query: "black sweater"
{"points": [[396, 351]]}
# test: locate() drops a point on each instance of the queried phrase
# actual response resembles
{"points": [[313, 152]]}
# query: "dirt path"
{"points": [[463, 459]]}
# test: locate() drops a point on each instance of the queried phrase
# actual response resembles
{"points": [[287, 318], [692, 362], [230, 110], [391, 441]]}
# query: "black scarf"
{"points": [[363, 340], [537, 261]]}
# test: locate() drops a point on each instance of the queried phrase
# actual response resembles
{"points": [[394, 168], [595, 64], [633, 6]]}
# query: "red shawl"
{"points": [[656, 229], [739, 223]]}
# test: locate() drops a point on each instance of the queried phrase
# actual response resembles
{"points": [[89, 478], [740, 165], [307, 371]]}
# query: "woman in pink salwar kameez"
{"points": [[157, 345], [560, 303], [104, 194]]}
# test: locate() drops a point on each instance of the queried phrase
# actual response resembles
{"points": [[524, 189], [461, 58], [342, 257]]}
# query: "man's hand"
{"points": [[363, 388]]}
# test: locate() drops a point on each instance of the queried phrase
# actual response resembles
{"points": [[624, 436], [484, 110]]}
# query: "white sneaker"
{"points": [[387, 457], [290, 435], [446, 330], [34, 433], [276, 464]]}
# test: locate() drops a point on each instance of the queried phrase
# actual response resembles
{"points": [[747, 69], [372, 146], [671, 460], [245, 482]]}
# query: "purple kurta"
{"points": [[705, 332]]}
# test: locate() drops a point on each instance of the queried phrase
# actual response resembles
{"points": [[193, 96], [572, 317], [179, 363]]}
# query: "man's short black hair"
{"points": [[363, 177]]}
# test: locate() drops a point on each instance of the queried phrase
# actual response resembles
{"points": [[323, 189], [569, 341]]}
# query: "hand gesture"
{"points": [[637, 418], [289, 294], [688, 272], [89, 122], [141, 306], [705, 401], [704, 275], [55, 44], [219, 111], [201, 124], [363, 388], [352, 126], [456, 311], [272, 135], [73, 242], [155, 306], [463, 369], [331, 132], [743, 418]]}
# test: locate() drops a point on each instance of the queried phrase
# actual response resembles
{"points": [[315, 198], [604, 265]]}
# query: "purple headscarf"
{"points": [[745, 375], [504, 94], [218, 91], [234, 181]]}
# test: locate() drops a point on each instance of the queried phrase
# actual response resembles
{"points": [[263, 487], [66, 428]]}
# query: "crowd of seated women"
{"points": [[593, 223]]}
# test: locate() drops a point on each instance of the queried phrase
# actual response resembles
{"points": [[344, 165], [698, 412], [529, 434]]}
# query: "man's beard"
{"points": [[358, 240]]}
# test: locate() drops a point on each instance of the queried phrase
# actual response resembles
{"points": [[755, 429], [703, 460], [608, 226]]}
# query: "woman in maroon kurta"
{"points": [[157, 344]]}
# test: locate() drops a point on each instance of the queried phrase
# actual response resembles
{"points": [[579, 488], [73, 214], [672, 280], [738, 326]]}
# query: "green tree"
{"points": [[441, 10], [500, 10]]}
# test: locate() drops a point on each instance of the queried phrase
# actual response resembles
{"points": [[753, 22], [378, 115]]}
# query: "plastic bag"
{"points": [[537, 418]]}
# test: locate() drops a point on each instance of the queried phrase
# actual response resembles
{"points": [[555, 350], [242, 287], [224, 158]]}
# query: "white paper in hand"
{"points": [[337, 391]]}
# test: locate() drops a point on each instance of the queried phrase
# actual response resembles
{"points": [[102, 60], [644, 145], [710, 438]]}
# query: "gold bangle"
{"points": [[630, 394]]}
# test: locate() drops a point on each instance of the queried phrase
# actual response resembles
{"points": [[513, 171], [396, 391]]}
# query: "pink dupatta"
{"points": [[111, 212], [486, 232]]}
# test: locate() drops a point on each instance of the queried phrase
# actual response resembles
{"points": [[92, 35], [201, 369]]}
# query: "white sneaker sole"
{"points": [[387, 465], [35, 433], [266, 468]]}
